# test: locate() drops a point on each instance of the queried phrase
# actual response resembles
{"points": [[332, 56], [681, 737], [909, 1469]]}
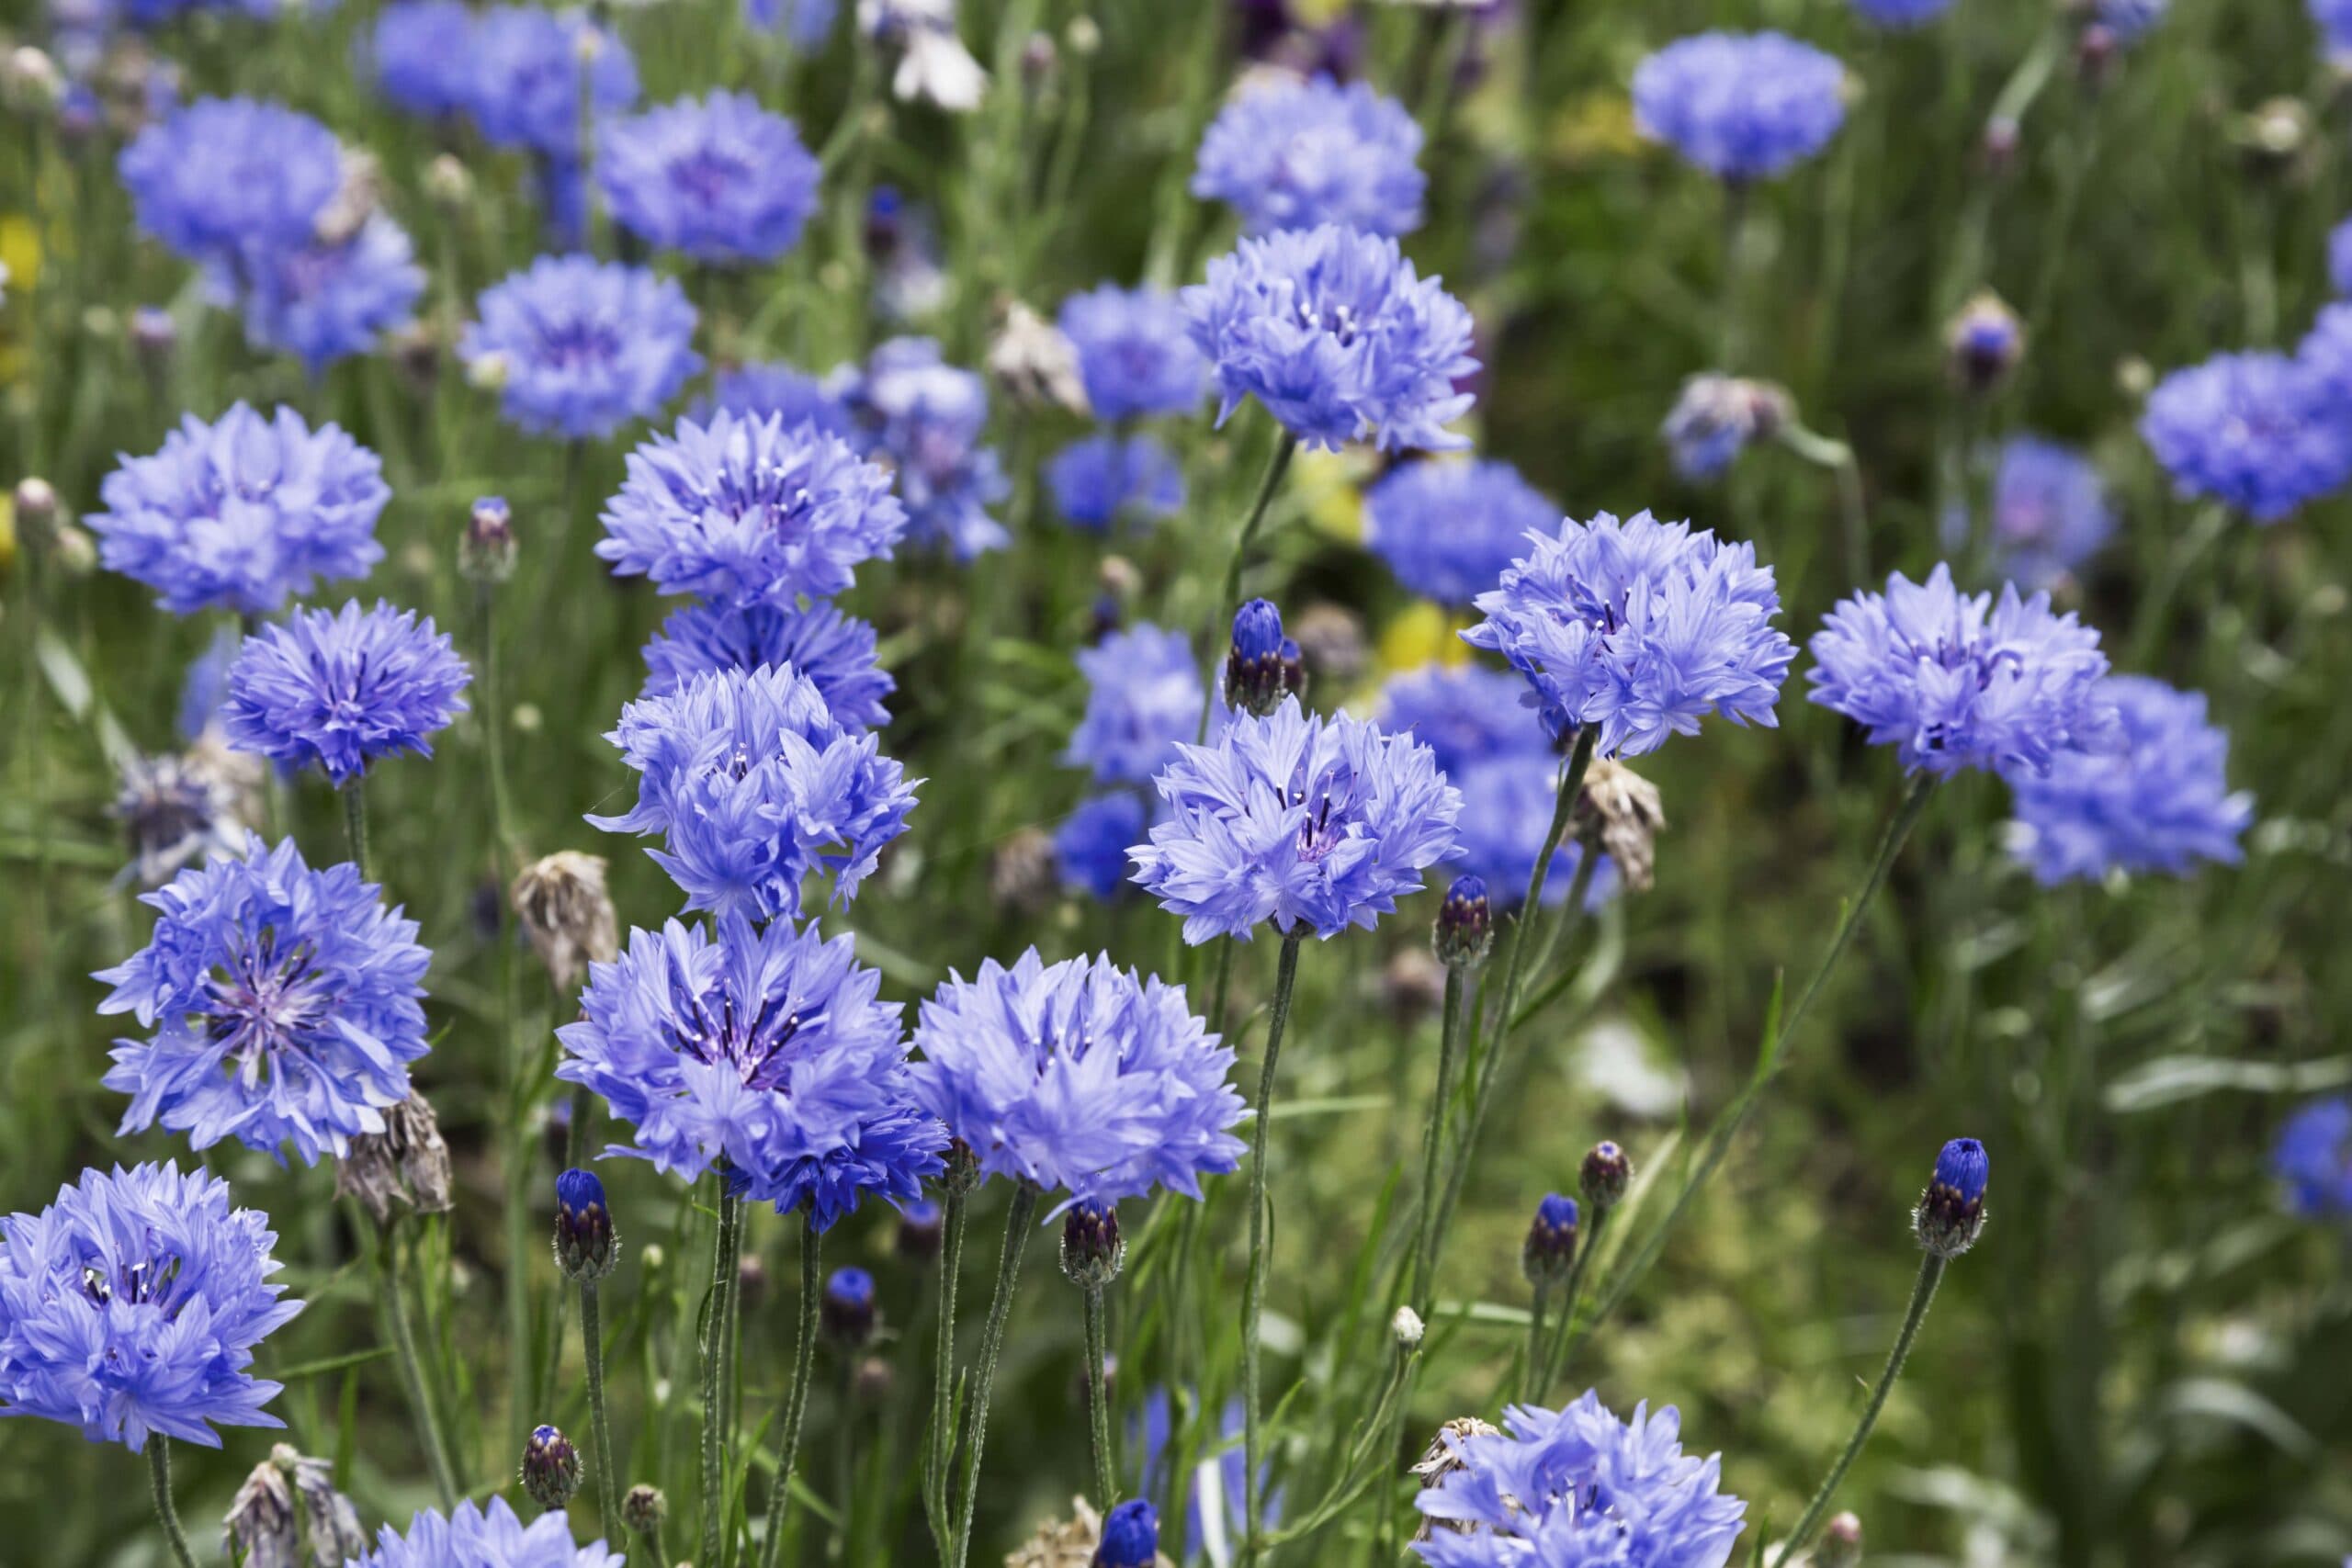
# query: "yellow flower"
{"points": [[1424, 634]]}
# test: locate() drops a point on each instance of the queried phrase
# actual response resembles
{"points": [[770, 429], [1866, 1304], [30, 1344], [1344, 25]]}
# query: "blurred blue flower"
{"points": [[131, 1305], [1464, 715], [581, 346], [204, 686], [283, 1001], [2314, 1157], [750, 511], [769, 1050], [1135, 352], [1143, 695], [420, 54], [224, 174], [175, 809], [1740, 105], [2258, 432], [1293, 155], [924, 417], [805, 24], [1577, 1486], [1447, 530], [2049, 510], [718, 178], [1091, 846], [791, 395], [1220, 1479], [1297, 819], [1900, 13], [1130, 1537], [2161, 803], [2128, 19], [1506, 804], [1333, 330], [328, 299], [243, 513], [1715, 418], [341, 688], [833, 650], [486, 1536], [1098, 479], [1641, 629], [523, 87], [1957, 680], [2339, 258], [755, 786], [1079, 1077]]}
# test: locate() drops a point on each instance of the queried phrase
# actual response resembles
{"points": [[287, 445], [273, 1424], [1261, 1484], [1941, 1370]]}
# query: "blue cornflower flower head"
{"points": [[1900, 13], [924, 416], [1098, 480], [486, 1536], [2313, 1158], [756, 787], [328, 299], [224, 174], [719, 178], [1449, 530], [1130, 1537], [131, 1306], [748, 511], [2162, 803], [1466, 716], [1740, 105], [805, 24], [1306, 821], [767, 1049], [1333, 330], [1639, 628], [523, 87], [2049, 512], [341, 688], [847, 1307], [583, 346], [1507, 802], [1718, 417], [2129, 21], [420, 54], [1550, 1245], [793, 396], [1293, 154], [1958, 681], [1135, 352], [2339, 258], [284, 1004], [1950, 1215], [834, 651], [2259, 432], [243, 513], [1091, 846], [1561, 1489], [1143, 695], [177, 809], [1079, 1077]]}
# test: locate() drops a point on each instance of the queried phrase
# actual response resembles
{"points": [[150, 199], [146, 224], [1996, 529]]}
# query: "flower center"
{"points": [[259, 1002]]}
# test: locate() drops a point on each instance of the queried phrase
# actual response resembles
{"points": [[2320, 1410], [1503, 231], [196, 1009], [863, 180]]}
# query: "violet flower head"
{"points": [[833, 650], [486, 1534], [804, 24], [1293, 155], [1135, 352], [924, 417], [1097, 481], [1506, 804], [1640, 630], [225, 174], [329, 299], [1958, 681], [2314, 1159], [791, 395], [131, 1305], [1308, 823], [768, 1050], [1079, 1076], [1090, 845], [1336, 333], [1143, 695], [1740, 105], [1464, 715], [243, 513], [2049, 512], [2160, 803], [719, 178], [2339, 258], [525, 86], [2260, 431], [420, 54], [581, 346], [1901, 15], [340, 688], [755, 787], [1449, 530]]}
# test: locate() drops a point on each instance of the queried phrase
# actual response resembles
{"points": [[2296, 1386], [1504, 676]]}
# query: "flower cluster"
{"points": [[2313, 1158], [580, 347], [1312, 823], [833, 650], [720, 180], [130, 1307], [243, 513], [1097, 479], [1135, 352], [1449, 530], [2162, 802], [2049, 511], [1740, 105], [340, 688], [1077, 1077], [1293, 154], [283, 1002], [923, 417], [1143, 695], [755, 787], [1957, 680], [1333, 330], [1640, 630], [766, 1050], [477, 1536], [2261, 433]]}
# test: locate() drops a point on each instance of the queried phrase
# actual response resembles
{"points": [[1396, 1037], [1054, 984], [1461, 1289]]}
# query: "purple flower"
{"points": [[477, 1536], [719, 178], [793, 396], [2161, 803], [1740, 105], [1306, 821], [2339, 258], [755, 787], [833, 650], [1715, 418], [1507, 806], [1464, 715], [1290, 154], [2049, 511], [1077, 1077], [225, 174], [2258, 432], [1143, 695], [2313, 1158], [1333, 330], [243, 513], [747, 511], [924, 416], [1641, 629], [1135, 352], [1097, 479], [341, 688], [768, 1050], [805, 24], [1900, 13], [283, 1001], [326, 301], [523, 87], [581, 346], [1957, 680], [131, 1305], [420, 54], [1091, 846], [1449, 530]]}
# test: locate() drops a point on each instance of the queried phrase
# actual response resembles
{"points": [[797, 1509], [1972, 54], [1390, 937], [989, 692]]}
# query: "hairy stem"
{"points": [[1008, 1276], [1254, 1294]]}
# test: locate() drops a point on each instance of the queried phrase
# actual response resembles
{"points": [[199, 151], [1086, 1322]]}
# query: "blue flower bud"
{"points": [[847, 1307], [1091, 1250], [1263, 666], [1952, 1211], [1466, 924], [550, 1467], [586, 1247], [921, 1231], [1551, 1246], [1130, 1537], [1605, 1176], [1985, 341]]}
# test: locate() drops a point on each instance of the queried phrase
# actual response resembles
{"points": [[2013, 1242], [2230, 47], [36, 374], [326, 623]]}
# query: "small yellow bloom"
{"points": [[20, 251], [1424, 634]]}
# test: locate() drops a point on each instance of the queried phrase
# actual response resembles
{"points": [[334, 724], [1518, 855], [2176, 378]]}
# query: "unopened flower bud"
{"points": [[550, 1467], [1466, 924], [1952, 1211], [486, 550], [75, 552], [1551, 1246], [1412, 984], [846, 1309], [2274, 137], [154, 336], [449, 182], [36, 503], [488, 372], [921, 1231], [1092, 1249], [1024, 875], [1038, 57], [1084, 35], [1605, 1175], [751, 1283], [586, 1245], [1035, 363], [1985, 341], [1262, 667], [872, 1382], [567, 913], [643, 1508], [2000, 145], [33, 83], [1330, 643], [2097, 48], [1407, 1328], [1841, 1542], [1130, 1537]]}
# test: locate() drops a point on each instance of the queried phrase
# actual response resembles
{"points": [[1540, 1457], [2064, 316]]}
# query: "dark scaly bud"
{"points": [[1604, 1177], [1952, 1211], [586, 1247], [550, 1467], [1466, 924], [1550, 1250], [1092, 1249]]}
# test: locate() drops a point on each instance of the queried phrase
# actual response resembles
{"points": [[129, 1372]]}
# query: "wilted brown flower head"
{"points": [[407, 1162], [289, 1514], [567, 914], [1625, 812], [1442, 1458], [1035, 363], [1020, 873]]}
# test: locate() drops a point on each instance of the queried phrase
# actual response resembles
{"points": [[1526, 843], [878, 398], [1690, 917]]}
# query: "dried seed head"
{"points": [[1441, 1458], [1035, 363], [1625, 812], [407, 1163], [289, 1514], [567, 914]]}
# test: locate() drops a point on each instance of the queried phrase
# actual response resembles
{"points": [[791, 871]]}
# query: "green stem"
{"points": [[795, 1402], [493, 724], [1254, 1293], [159, 1469], [1530, 1378], [1098, 1400], [1931, 1273], [723, 1268], [355, 820], [1224, 978], [1553, 1353], [1286, 447], [1433, 1138], [1008, 1276], [393, 1301], [941, 1440], [1729, 342], [591, 1351]]}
